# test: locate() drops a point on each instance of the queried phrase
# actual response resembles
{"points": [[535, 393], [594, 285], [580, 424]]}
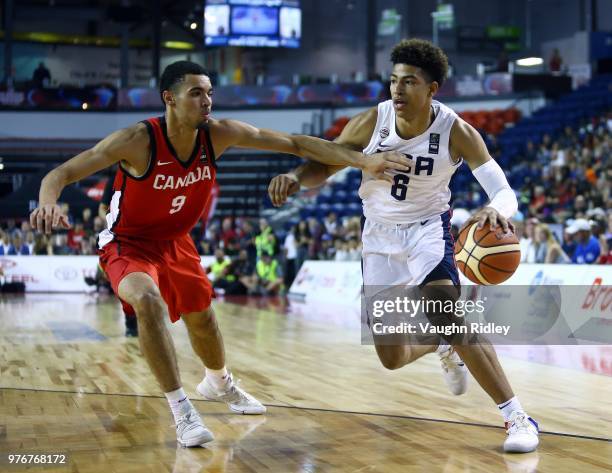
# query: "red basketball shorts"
{"points": [[174, 265]]}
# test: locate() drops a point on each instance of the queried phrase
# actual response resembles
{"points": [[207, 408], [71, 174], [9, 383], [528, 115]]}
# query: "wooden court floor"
{"points": [[72, 384]]}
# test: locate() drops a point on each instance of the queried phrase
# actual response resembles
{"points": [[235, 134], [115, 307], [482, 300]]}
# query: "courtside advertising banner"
{"points": [[55, 273]]}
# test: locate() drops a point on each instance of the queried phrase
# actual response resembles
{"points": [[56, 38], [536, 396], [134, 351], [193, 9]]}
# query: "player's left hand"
{"points": [[494, 218], [377, 164]]}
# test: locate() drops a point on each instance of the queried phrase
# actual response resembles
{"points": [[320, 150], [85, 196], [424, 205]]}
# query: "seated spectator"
{"points": [[598, 229], [606, 247], [354, 250], [66, 211], [342, 251], [11, 226], [4, 242], [241, 268], [234, 279], [88, 245], [557, 155], [29, 240], [569, 138], [60, 244], [76, 235], [265, 242], [267, 279], [218, 270], [229, 237], [316, 232], [87, 221], [18, 246], [549, 250], [587, 247], [326, 250], [538, 202], [531, 153], [247, 240], [98, 224], [569, 245], [353, 228], [331, 224], [240, 275], [209, 240], [303, 239], [527, 242], [25, 227]]}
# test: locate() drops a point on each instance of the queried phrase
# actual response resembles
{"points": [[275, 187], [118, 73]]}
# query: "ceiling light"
{"points": [[530, 61]]}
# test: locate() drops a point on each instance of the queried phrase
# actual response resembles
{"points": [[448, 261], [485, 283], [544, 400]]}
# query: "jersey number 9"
{"points": [[177, 203]]}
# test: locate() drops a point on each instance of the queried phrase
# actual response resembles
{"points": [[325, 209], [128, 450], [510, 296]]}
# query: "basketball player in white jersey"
{"points": [[406, 235]]}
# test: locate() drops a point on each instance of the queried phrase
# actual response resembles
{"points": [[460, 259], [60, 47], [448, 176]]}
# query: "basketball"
{"points": [[487, 257]]}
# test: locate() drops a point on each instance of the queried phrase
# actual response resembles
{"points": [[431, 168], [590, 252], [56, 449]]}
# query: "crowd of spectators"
{"points": [[570, 176], [565, 198], [252, 259], [18, 238]]}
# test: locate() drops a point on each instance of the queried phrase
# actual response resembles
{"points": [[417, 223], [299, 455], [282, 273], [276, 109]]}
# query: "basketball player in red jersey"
{"points": [[167, 167]]}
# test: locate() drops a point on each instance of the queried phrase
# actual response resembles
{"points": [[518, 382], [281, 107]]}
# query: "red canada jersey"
{"points": [[169, 198]]}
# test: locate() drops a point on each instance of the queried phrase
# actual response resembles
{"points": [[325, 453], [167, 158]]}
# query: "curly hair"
{"points": [[424, 54]]}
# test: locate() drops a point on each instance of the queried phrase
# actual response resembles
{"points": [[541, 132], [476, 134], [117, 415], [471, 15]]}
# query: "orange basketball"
{"points": [[487, 257]]}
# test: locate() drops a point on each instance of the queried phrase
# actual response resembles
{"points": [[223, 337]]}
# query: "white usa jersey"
{"points": [[422, 192]]}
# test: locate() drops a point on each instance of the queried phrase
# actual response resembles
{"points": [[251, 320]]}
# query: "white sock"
{"points": [[179, 402], [442, 347], [218, 378], [509, 407]]}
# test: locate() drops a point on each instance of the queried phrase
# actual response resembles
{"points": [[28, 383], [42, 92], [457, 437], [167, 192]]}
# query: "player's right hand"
{"points": [[379, 163], [281, 187], [48, 217]]}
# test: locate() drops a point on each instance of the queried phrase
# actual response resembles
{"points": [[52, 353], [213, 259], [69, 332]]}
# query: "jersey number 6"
{"points": [[177, 203], [400, 186]]}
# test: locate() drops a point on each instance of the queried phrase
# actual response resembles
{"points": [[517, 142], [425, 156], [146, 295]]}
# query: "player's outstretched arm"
{"points": [[466, 142], [354, 137], [227, 133], [130, 145]]}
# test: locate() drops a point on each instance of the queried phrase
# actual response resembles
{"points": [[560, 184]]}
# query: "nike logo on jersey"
{"points": [[159, 163]]}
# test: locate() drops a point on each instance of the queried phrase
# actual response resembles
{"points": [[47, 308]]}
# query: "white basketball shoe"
{"points": [[191, 431], [522, 433], [455, 371], [236, 398]]}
